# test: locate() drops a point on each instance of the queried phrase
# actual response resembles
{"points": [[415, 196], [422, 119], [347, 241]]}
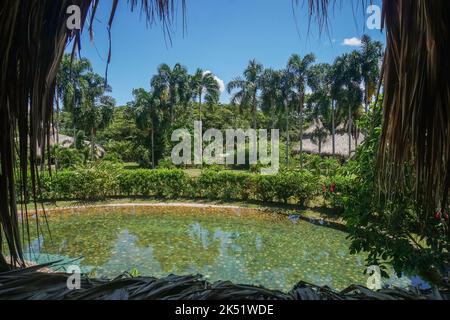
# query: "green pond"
{"points": [[241, 245]]}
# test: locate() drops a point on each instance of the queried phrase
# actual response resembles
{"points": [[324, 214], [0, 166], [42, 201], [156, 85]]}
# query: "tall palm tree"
{"points": [[247, 96], [320, 101], [336, 91], [203, 84], [145, 108], [270, 84], [370, 56], [72, 84], [289, 100], [414, 130], [348, 87], [176, 82], [96, 110], [297, 69]]}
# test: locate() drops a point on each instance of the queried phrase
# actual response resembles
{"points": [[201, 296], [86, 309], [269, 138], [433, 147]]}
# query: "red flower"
{"points": [[438, 215], [446, 217], [332, 188]]}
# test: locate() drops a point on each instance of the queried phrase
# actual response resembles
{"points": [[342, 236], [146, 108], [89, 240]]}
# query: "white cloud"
{"points": [[352, 42], [219, 81]]}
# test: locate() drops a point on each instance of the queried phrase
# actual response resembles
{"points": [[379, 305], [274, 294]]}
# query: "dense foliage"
{"points": [[109, 180], [391, 228]]}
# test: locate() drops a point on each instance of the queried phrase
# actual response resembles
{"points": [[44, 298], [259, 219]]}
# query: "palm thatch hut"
{"points": [[318, 140], [69, 142], [416, 127]]}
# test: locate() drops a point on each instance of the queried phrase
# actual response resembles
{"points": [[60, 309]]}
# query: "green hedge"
{"points": [[100, 183], [337, 189]]}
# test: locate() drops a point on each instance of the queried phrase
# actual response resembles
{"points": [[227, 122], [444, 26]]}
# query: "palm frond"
{"points": [[33, 38]]}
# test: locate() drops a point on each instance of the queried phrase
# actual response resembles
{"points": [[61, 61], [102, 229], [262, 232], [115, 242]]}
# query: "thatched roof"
{"points": [[27, 284], [33, 39], [341, 142], [68, 142]]}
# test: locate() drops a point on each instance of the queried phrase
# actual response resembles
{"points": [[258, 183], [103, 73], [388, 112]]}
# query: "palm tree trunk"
{"points": [[287, 134], [200, 105], [333, 127], [273, 118], [93, 144], [152, 138], [57, 119], [349, 130], [254, 111], [301, 130], [4, 266]]}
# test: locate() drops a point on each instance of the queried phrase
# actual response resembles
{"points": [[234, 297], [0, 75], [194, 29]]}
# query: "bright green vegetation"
{"points": [[305, 100], [241, 245], [261, 98], [109, 181]]}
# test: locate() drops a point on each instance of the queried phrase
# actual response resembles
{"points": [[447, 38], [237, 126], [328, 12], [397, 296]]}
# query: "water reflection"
{"points": [[249, 247]]}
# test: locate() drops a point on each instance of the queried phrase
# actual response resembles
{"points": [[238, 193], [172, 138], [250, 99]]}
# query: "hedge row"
{"points": [[89, 184]]}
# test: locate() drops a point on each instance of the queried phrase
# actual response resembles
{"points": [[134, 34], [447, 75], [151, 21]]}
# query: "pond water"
{"points": [[241, 245]]}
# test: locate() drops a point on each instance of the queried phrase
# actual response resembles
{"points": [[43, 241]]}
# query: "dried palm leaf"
{"points": [[33, 38]]}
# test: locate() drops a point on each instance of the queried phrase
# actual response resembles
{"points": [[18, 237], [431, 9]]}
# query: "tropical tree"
{"points": [[247, 86], [72, 82], [271, 91], [297, 69], [203, 84], [320, 100], [289, 100], [347, 90], [97, 109], [176, 83], [319, 136], [370, 58], [144, 105]]}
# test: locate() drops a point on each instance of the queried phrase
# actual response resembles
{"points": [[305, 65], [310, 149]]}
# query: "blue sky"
{"points": [[221, 36]]}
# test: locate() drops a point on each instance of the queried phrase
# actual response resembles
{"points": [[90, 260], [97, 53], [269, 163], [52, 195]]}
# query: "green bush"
{"points": [[337, 189], [224, 185], [68, 158], [159, 183], [113, 158], [107, 179], [125, 150]]}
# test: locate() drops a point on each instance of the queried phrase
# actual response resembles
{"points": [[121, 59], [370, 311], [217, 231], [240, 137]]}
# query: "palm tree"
{"points": [[103, 117], [72, 82], [319, 136], [96, 109], [270, 84], [145, 108], [247, 96], [320, 100], [203, 84], [347, 87], [413, 132], [336, 85], [27, 90], [297, 69], [370, 56], [288, 98], [176, 82]]}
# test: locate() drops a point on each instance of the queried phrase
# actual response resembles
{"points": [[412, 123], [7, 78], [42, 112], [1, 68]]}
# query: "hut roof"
{"points": [[341, 143]]}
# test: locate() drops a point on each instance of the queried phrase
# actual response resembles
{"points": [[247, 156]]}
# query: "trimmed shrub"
{"points": [[337, 189], [159, 183], [225, 185], [104, 181]]}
